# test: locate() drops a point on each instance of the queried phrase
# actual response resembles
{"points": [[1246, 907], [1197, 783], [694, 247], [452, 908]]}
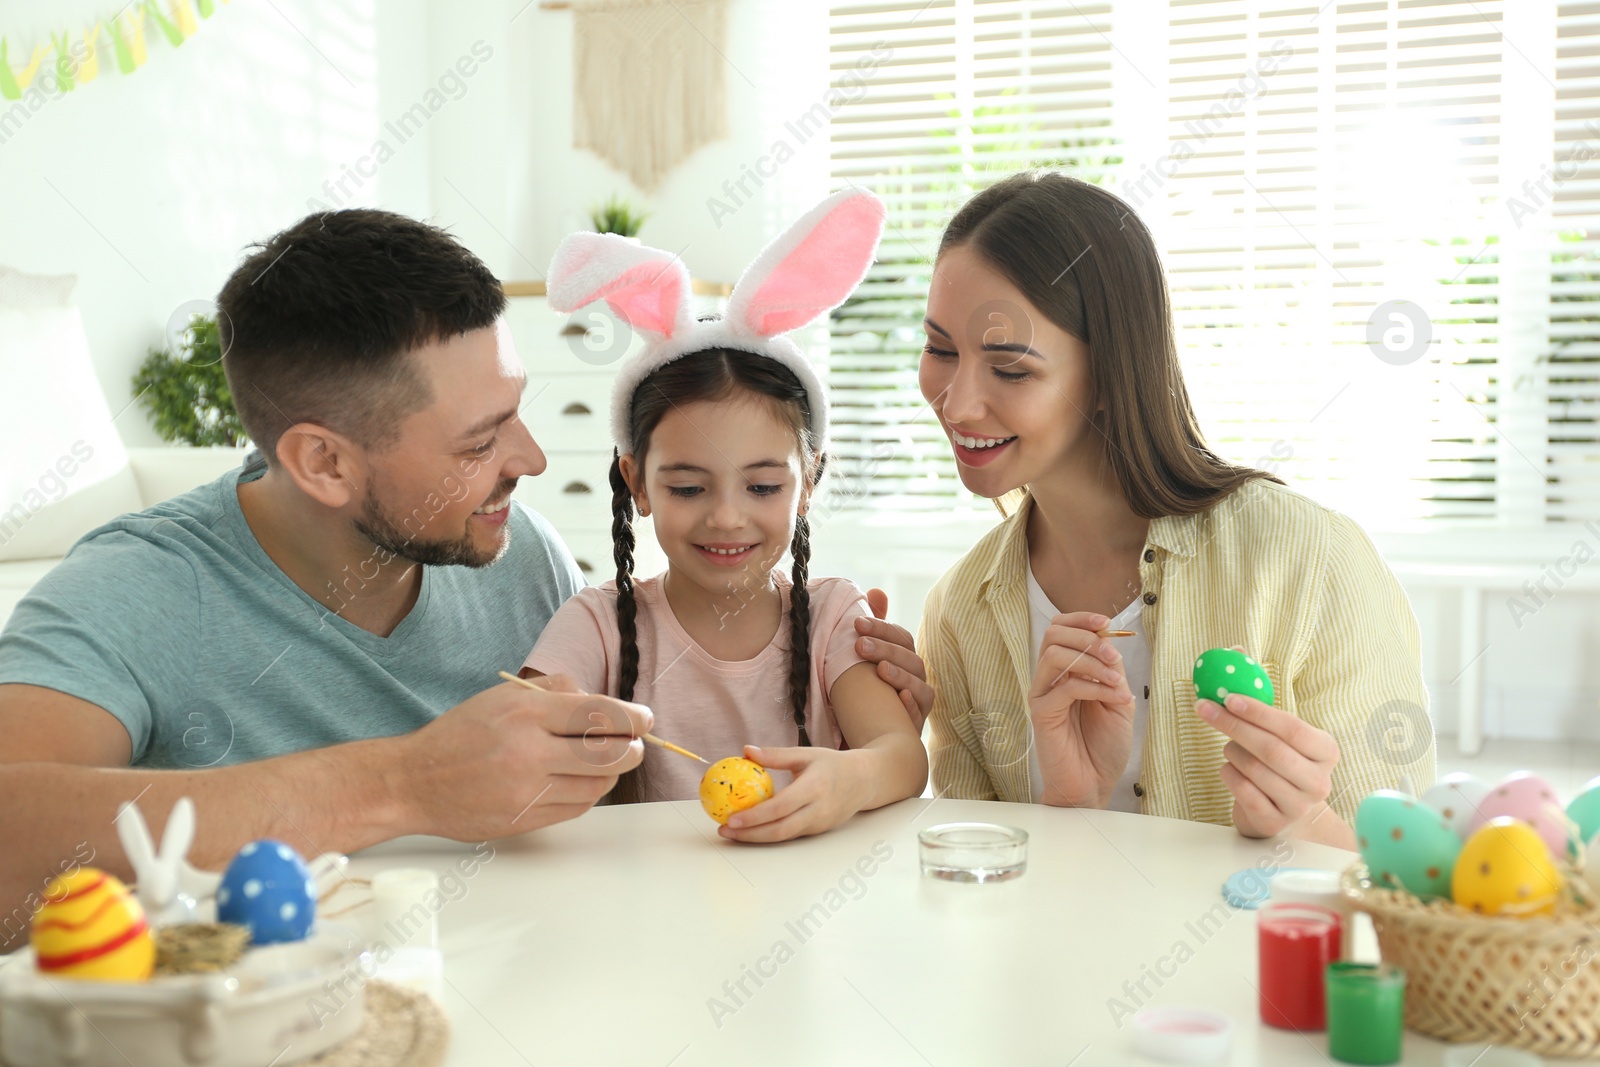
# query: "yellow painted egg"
{"points": [[90, 926], [1505, 869], [732, 785]]}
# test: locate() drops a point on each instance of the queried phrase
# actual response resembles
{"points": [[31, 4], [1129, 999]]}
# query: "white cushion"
{"points": [[20, 289], [166, 471], [65, 469]]}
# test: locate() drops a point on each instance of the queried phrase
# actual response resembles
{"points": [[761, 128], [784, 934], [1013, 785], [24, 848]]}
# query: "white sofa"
{"points": [[160, 473]]}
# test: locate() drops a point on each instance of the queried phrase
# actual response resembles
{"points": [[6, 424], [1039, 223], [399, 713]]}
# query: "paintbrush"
{"points": [[527, 683]]}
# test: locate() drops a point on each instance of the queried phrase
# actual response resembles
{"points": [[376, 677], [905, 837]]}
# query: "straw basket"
{"points": [[1532, 982]]}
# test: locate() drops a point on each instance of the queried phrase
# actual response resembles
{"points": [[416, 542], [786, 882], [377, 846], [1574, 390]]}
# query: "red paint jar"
{"points": [[1296, 942]]}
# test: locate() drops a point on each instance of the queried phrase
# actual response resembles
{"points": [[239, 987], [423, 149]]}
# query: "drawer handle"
{"points": [[576, 487], [585, 566], [577, 407]]}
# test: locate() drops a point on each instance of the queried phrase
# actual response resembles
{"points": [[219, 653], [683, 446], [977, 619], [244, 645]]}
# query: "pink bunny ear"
{"points": [[812, 267], [647, 287]]}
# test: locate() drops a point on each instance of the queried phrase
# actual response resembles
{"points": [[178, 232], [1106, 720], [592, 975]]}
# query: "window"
{"points": [[959, 94], [1375, 219]]}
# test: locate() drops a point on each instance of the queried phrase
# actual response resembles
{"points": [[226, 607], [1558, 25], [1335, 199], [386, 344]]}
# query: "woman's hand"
{"points": [[895, 653], [1082, 711], [1279, 769], [827, 789]]}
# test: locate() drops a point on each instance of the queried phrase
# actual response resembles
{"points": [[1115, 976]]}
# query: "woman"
{"points": [[1050, 363]]}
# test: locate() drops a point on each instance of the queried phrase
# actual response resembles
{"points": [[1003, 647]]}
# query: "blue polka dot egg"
{"points": [[1221, 671], [268, 888]]}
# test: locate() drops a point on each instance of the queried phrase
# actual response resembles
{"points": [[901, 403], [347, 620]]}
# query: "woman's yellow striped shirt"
{"points": [[1299, 586]]}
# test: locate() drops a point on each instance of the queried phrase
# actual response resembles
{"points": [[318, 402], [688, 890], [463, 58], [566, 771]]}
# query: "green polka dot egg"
{"points": [[1221, 671]]}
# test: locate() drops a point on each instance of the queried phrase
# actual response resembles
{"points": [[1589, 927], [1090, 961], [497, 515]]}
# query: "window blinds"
{"points": [[1374, 215]]}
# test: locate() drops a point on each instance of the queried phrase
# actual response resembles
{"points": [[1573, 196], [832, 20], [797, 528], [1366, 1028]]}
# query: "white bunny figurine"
{"points": [[157, 876]]}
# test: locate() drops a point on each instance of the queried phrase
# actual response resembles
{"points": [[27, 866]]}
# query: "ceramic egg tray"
{"points": [[271, 1007]]}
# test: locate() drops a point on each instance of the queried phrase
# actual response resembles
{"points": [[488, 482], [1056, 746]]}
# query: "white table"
{"points": [[601, 940]]}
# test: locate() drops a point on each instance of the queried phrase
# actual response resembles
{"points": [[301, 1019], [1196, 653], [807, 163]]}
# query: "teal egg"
{"points": [[1585, 810], [1406, 844], [1221, 671]]}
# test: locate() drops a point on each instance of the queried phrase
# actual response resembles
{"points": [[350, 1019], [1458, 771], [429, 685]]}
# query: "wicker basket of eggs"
{"points": [[113, 976], [1489, 897]]}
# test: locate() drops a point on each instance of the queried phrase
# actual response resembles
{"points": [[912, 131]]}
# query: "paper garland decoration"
{"points": [[77, 60]]}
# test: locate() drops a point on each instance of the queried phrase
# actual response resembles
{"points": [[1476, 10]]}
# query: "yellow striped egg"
{"points": [[90, 926], [734, 784]]}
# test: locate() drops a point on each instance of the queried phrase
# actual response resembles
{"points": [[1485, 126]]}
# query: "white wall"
{"points": [[1541, 680], [777, 68], [148, 186]]}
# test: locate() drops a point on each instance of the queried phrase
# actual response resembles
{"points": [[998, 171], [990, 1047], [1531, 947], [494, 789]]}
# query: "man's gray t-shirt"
{"points": [[176, 621]]}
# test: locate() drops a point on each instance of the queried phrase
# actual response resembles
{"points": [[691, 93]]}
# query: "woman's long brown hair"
{"points": [[711, 375], [1082, 257]]}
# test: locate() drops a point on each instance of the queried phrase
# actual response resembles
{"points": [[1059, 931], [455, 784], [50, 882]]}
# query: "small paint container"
{"points": [[406, 904], [1296, 943], [1182, 1035], [973, 852], [1366, 1012], [1308, 886]]}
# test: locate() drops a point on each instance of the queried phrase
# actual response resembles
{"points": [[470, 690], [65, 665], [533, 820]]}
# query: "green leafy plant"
{"points": [[186, 392], [617, 216]]}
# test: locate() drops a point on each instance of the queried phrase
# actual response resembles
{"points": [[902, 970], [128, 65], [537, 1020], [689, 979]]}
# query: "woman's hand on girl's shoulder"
{"points": [[827, 789], [894, 652]]}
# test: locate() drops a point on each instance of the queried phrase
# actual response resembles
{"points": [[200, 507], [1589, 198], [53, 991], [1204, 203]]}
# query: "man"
{"points": [[306, 646]]}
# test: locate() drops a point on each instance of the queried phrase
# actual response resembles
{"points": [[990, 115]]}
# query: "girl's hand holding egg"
{"points": [[824, 794]]}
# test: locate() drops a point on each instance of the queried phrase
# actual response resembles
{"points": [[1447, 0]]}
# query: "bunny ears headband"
{"points": [[808, 270]]}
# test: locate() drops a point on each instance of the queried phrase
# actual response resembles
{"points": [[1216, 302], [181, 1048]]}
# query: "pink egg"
{"points": [[1524, 795]]}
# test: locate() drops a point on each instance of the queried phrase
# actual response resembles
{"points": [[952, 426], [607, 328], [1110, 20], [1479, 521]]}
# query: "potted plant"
{"points": [[617, 216], [186, 393]]}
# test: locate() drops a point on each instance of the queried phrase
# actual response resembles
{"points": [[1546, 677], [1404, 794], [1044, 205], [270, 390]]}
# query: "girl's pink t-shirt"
{"points": [[709, 706]]}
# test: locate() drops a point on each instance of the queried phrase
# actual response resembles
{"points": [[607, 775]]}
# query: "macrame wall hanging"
{"points": [[649, 82]]}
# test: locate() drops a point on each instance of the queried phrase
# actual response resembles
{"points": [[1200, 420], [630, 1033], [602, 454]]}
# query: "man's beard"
{"points": [[376, 526]]}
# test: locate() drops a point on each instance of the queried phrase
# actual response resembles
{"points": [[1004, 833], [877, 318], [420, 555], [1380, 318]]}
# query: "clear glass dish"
{"points": [[973, 852]]}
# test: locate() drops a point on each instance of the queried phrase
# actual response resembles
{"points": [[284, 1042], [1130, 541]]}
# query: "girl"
{"points": [[719, 427], [1051, 365]]}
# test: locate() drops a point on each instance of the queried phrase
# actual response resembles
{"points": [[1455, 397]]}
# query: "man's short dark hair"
{"points": [[318, 324]]}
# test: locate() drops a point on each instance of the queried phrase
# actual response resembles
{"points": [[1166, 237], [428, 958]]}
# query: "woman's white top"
{"points": [[1136, 660]]}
